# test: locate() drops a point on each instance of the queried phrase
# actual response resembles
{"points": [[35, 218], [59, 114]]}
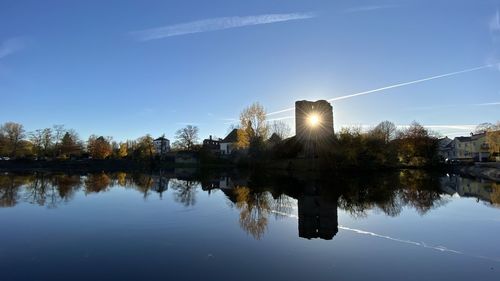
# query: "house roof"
{"points": [[445, 141], [463, 138], [161, 138], [232, 136], [274, 138]]}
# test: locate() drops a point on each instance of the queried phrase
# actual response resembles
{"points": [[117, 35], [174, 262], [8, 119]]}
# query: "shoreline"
{"points": [[486, 171]]}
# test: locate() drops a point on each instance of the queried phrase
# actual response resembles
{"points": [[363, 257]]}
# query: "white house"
{"points": [[228, 144], [162, 145]]}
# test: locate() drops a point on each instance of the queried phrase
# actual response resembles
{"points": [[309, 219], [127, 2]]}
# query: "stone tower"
{"points": [[313, 122]]}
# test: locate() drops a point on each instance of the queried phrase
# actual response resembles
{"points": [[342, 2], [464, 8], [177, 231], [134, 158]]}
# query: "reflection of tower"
{"points": [[317, 217]]}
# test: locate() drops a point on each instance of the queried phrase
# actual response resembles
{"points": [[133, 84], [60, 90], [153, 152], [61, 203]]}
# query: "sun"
{"points": [[314, 120]]}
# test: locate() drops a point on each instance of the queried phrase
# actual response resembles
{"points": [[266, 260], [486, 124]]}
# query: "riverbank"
{"points": [[286, 166]]}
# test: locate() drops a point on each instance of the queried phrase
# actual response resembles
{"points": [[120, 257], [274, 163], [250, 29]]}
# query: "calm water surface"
{"points": [[408, 225]]}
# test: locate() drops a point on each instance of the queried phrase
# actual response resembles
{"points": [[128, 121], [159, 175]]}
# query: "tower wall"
{"points": [[303, 129]]}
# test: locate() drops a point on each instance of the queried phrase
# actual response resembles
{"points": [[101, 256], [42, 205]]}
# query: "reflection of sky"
{"points": [[156, 236]]}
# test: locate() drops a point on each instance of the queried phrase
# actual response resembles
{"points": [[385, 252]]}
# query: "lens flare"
{"points": [[314, 120]]}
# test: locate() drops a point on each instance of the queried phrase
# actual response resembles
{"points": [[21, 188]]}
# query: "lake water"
{"points": [[186, 225]]}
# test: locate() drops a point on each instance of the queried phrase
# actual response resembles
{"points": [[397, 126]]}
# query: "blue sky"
{"points": [[127, 68]]}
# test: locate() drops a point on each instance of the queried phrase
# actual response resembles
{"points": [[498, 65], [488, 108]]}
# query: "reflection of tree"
{"points": [[393, 206], [390, 194], [184, 191], [420, 190], [40, 191], [96, 182], [50, 191], [9, 189], [143, 183], [254, 210], [121, 178], [66, 185], [495, 193]]}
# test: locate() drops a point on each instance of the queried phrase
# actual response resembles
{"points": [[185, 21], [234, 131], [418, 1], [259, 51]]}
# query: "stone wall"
{"points": [[304, 131]]}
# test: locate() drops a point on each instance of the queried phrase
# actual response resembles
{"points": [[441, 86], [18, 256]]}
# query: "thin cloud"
{"points": [[495, 22], [214, 24], [11, 46], [187, 123], [487, 104], [281, 118], [403, 126], [368, 8], [397, 85], [453, 106]]}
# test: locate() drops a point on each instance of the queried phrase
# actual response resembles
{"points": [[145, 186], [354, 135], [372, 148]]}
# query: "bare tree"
{"points": [[281, 129], [46, 139], [186, 137], [485, 127], [36, 138], [386, 130], [58, 133]]}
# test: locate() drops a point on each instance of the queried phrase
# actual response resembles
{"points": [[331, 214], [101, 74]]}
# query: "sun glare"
{"points": [[314, 120]]}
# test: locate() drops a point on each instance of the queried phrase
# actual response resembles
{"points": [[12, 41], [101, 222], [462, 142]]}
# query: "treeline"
{"points": [[381, 146], [61, 143]]}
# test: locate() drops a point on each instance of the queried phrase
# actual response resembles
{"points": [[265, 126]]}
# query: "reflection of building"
{"points": [[162, 145], [317, 217], [466, 187], [321, 113], [185, 157], [160, 183]]}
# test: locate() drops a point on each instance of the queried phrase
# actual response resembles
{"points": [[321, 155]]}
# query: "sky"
{"points": [[128, 68]]}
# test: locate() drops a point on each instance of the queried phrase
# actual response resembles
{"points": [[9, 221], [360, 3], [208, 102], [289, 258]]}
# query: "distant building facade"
{"points": [[472, 148], [162, 146], [212, 145], [444, 147]]}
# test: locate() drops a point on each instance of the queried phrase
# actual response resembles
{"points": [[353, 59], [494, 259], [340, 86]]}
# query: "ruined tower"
{"points": [[313, 121]]}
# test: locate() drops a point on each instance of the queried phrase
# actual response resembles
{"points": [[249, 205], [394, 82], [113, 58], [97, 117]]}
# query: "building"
{"points": [[472, 148], [313, 121], [162, 146], [273, 140], [228, 144], [444, 148], [212, 145]]}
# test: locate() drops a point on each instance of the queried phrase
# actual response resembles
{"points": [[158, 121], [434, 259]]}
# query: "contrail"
{"points": [[214, 24], [396, 86], [404, 241]]}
